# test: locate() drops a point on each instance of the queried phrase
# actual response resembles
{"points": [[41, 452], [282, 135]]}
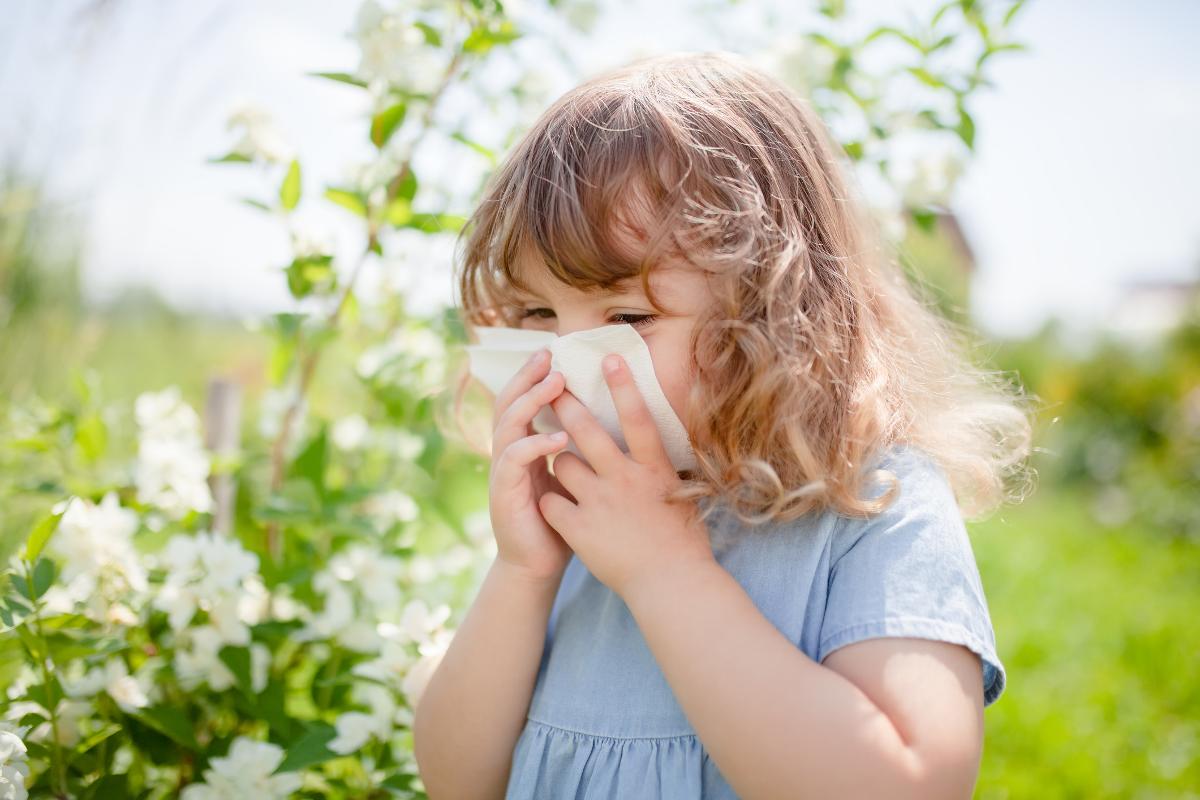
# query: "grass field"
{"points": [[1097, 631]]}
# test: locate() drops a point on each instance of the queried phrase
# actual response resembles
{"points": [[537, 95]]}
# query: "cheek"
{"points": [[672, 368]]}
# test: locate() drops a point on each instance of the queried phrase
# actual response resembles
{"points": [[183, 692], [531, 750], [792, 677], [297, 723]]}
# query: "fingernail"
{"points": [[612, 364], [537, 357]]}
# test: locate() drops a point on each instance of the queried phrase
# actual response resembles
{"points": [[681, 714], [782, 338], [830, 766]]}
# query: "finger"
{"points": [[531, 372], [514, 422], [637, 423], [573, 474], [525, 451], [589, 435], [558, 512]]}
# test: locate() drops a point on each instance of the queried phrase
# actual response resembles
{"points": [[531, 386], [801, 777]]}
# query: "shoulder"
{"points": [[922, 505], [909, 571]]}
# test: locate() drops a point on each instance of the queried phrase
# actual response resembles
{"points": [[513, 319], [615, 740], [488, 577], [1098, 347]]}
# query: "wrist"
{"points": [[680, 579], [514, 573]]}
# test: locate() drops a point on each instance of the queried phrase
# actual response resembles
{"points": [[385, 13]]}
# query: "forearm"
{"points": [[473, 708], [776, 723]]}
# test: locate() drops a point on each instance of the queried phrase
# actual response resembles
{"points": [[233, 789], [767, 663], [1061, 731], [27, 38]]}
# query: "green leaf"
{"points": [[310, 748], [171, 722], [259, 204], [237, 158], [289, 191], [310, 464], [925, 218], [43, 575], [400, 783], [432, 36], [398, 212], [91, 434], [487, 153], [114, 785], [341, 77], [926, 77], [308, 273], [435, 223], [1008, 15], [21, 585], [888, 30], [408, 185], [238, 661], [40, 535], [384, 124], [966, 127], [481, 39], [348, 199]]}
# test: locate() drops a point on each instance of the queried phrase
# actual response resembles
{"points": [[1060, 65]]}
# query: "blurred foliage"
{"points": [[1101, 700]]}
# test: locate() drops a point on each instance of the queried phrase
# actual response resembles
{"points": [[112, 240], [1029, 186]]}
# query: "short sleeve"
{"points": [[910, 571]]}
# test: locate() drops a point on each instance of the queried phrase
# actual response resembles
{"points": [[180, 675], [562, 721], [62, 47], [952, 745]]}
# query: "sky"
{"points": [[1084, 175]]}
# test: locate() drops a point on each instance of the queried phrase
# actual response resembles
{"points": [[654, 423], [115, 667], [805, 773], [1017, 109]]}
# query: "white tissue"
{"points": [[501, 352]]}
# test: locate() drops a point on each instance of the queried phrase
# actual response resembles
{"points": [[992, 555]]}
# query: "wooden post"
{"points": [[222, 426]]}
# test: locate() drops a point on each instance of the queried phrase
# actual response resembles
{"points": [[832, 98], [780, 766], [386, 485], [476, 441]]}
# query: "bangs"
{"points": [[595, 199]]}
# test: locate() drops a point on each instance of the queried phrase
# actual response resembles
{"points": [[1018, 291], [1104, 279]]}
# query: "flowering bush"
{"points": [[155, 642]]}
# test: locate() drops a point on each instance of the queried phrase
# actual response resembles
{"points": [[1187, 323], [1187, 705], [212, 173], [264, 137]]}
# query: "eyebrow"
{"points": [[624, 285]]}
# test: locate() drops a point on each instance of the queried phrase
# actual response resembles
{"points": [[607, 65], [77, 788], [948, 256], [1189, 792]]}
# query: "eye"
{"points": [[636, 320]]}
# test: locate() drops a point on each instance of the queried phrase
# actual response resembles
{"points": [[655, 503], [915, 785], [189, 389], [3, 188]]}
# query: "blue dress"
{"points": [[603, 723]]}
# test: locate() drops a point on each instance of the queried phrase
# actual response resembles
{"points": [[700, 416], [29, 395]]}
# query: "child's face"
{"points": [[562, 310]]}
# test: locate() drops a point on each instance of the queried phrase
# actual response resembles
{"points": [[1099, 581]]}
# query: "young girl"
{"points": [[799, 616]]}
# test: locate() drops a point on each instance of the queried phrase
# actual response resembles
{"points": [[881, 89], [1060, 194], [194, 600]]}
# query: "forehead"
{"points": [[665, 282]]}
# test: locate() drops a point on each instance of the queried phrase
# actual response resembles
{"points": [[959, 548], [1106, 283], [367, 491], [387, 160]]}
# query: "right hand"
{"points": [[520, 475]]}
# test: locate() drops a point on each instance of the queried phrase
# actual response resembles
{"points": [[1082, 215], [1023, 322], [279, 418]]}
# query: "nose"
{"points": [[567, 327]]}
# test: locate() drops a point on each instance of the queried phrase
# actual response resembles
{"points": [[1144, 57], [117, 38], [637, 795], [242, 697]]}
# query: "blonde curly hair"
{"points": [[816, 355]]}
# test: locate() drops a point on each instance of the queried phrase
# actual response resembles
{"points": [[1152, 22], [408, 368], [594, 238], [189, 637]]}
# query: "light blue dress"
{"points": [[603, 723]]}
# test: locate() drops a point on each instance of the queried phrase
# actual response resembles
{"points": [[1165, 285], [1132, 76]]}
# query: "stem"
{"points": [[330, 672], [308, 364], [44, 661]]}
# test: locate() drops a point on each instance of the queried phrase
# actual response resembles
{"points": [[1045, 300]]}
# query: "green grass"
{"points": [[1097, 631]]}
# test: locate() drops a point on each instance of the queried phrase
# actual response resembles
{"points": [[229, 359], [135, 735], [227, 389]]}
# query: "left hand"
{"points": [[619, 525]]}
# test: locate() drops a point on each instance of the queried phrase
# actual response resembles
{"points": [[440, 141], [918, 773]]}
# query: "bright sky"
{"points": [[1085, 174]]}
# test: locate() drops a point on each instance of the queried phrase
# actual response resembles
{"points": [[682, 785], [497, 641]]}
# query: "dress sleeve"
{"points": [[910, 571]]}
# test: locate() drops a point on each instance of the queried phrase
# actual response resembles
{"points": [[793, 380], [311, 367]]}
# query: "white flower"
{"points": [[128, 691], [260, 138], [394, 51], [455, 559], [390, 666], [376, 575], [173, 466], [418, 623], [422, 569], [354, 728], [415, 356], [405, 444], [350, 433], [359, 636], [245, 773], [200, 662], [391, 507], [96, 543], [417, 677], [213, 572], [14, 768]]}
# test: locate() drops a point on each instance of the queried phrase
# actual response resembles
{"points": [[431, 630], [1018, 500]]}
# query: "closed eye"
{"points": [[636, 320]]}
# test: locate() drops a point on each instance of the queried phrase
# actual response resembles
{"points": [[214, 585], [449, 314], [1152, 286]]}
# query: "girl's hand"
{"points": [[618, 524], [519, 474]]}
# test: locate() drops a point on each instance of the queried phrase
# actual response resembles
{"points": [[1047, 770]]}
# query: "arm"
{"points": [[473, 709], [779, 725]]}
